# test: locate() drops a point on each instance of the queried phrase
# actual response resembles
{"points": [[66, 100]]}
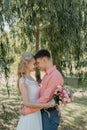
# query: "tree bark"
{"points": [[37, 36]]}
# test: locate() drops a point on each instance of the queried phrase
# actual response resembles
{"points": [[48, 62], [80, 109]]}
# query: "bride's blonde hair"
{"points": [[26, 58]]}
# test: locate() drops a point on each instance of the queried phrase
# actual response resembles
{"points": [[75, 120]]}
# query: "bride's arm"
{"points": [[36, 105], [25, 97]]}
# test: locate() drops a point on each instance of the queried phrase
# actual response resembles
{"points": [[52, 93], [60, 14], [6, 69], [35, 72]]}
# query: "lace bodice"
{"points": [[33, 88]]}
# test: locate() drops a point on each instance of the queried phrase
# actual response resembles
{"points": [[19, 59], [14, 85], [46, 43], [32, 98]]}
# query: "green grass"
{"points": [[74, 115]]}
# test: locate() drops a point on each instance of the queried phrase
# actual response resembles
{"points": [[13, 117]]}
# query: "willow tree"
{"points": [[60, 26], [67, 31]]}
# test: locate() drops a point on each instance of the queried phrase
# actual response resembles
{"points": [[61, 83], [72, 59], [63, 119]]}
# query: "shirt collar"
{"points": [[50, 70]]}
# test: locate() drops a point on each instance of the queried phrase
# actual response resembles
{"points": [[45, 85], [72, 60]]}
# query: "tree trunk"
{"points": [[37, 35]]}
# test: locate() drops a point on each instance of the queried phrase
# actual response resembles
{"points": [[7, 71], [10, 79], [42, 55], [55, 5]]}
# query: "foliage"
{"points": [[60, 26]]}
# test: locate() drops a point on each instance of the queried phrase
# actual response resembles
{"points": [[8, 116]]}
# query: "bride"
{"points": [[29, 91]]}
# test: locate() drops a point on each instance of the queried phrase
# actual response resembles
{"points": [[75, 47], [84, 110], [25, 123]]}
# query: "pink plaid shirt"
{"points": [[51, 79]]}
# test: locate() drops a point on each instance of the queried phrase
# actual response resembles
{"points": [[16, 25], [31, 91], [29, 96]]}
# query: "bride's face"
{"points": [[31, 65]]}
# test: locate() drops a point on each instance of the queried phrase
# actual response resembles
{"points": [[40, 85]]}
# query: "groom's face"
{"points": [[40, 62]]}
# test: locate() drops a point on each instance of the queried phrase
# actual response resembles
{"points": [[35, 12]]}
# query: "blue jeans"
{"points": [[50, 118]]}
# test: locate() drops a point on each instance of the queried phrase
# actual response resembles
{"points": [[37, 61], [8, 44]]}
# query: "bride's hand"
{"points": [[52, 104]]}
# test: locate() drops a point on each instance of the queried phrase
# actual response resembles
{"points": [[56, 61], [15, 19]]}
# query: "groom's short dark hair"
{"points": [[42, 53]]}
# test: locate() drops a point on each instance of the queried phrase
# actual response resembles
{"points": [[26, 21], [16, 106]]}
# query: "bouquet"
{"points": [[62, 94]]}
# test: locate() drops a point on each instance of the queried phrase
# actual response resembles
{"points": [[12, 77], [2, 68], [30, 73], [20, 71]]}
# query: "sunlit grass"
{"points": [[74, 115]]}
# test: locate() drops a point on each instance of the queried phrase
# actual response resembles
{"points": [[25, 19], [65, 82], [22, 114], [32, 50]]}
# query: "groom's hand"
{"points": [[22, 109]]}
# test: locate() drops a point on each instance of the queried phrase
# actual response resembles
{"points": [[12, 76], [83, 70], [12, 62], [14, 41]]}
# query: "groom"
{"points": [[51, 79]]}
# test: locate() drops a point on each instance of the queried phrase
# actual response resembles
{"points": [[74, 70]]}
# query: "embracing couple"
{"points": [[38, 111]]}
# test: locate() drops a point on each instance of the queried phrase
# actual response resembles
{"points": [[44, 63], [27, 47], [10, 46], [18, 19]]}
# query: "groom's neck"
{"points": [[48, 66]]}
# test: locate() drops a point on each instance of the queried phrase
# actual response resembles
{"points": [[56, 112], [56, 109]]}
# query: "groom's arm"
{"points": [[47, 94]]}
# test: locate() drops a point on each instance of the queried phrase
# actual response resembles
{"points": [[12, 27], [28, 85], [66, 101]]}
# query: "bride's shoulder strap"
{"points": [[22, 80]]}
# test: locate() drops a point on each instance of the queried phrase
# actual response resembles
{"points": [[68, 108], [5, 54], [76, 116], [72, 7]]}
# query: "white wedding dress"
{"points": [[31, 121]]}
